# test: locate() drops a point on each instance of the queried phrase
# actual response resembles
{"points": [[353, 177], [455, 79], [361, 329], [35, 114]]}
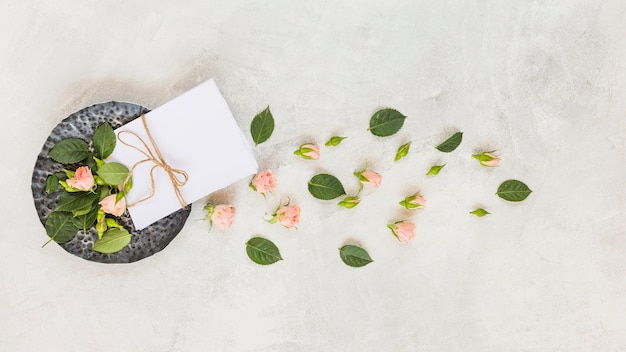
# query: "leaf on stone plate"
{"points": [[113, 173], [403, 150], [513, 191], [435, 169], [325, 187], [85, 221], [451, 143], [59, 227], [75, 201], [354, 256], [103, 141], [386, 122], [113, 240], [262, 251], [52, 184], [69, 151], [480, 212], [262, 126]]}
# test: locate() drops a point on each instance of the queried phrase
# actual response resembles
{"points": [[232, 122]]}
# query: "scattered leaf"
{"points": [[59, 227], [451, 143], [262, 126], [334, 141], [386, 122], [325, 187], [354, 256], [403, 150], [113, 240], [262, 251], [69, 151], [435, 169], [113, 173], [103, 141], [480, 212], [513, 191]]}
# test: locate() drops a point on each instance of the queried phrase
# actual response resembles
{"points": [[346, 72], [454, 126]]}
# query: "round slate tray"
{"points": [[82, 124]]}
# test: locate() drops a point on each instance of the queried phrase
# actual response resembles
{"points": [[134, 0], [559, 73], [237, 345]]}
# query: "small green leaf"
{"points": [[435, 169], [69, 151], [59, 227], [325, 187], [52, 184], [334, 141], [354, 256], [262, 126], [480, 212], [75, 201], [82, 211], [87, 220], [113, 240], [262, 251], [451, 143], [386, 122], [513, 191], [402, 151], [113, 173], [103, 141]]}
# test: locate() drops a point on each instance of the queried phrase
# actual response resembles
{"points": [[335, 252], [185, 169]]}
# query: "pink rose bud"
{"points": [[288, 215], [413, 202], [223, 216], [349, 202], [109, 206], [371, 177], [263, 182], [403, 230], [487, 159], [83, 179], [308, 151]]}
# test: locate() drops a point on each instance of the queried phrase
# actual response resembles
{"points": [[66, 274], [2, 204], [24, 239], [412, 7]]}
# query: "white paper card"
{"points": [[195, 132]]}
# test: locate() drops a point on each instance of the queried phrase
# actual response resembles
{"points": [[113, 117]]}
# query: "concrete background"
{"points": [[543, 82]]}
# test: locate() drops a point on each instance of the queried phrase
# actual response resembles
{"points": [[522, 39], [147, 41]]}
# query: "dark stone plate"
{"points": [[82, 124]]}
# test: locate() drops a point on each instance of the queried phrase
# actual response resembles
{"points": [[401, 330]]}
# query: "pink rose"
{"points": [[308, 151], [83, 179], [223, 216], [487, 159], [419, 201], [288, 215], [403, 230], [109, 206], [263, 182], [372, 177]]}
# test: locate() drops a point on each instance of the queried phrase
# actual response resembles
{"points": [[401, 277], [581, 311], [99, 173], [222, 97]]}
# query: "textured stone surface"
{"points": [[82, 124]]}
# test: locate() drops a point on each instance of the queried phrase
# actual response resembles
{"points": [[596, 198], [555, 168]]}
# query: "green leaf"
{"points": [[354, 256], [513, 191], [113, 173], [75, 201], [325, 187], [451, 143], [52, 184], [262, 126], [480, 212], [103, 141], [402, 151], [386, 122], [334, 141], [59, 227], [69, 151], [113, 240], [87, 220], [435, 169], [262, 251]]}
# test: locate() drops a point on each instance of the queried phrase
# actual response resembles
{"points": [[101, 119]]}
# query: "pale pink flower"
{"points": [[403, 230], [308, 151], [109, 206], [263, 182], [288, 215], [83, 179], [372, 177], [419, 201], [494, 161], [223, 216]]}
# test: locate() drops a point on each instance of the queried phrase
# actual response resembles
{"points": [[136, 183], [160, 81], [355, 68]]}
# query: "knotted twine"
{"points": [[178, 177]]}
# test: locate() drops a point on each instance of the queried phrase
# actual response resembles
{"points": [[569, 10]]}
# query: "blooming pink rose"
{"points": [[288, 215], [403, 230], [83, 179], [263, 181], [372, 177], [223, 216], [308, 151], [109, 206]]}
